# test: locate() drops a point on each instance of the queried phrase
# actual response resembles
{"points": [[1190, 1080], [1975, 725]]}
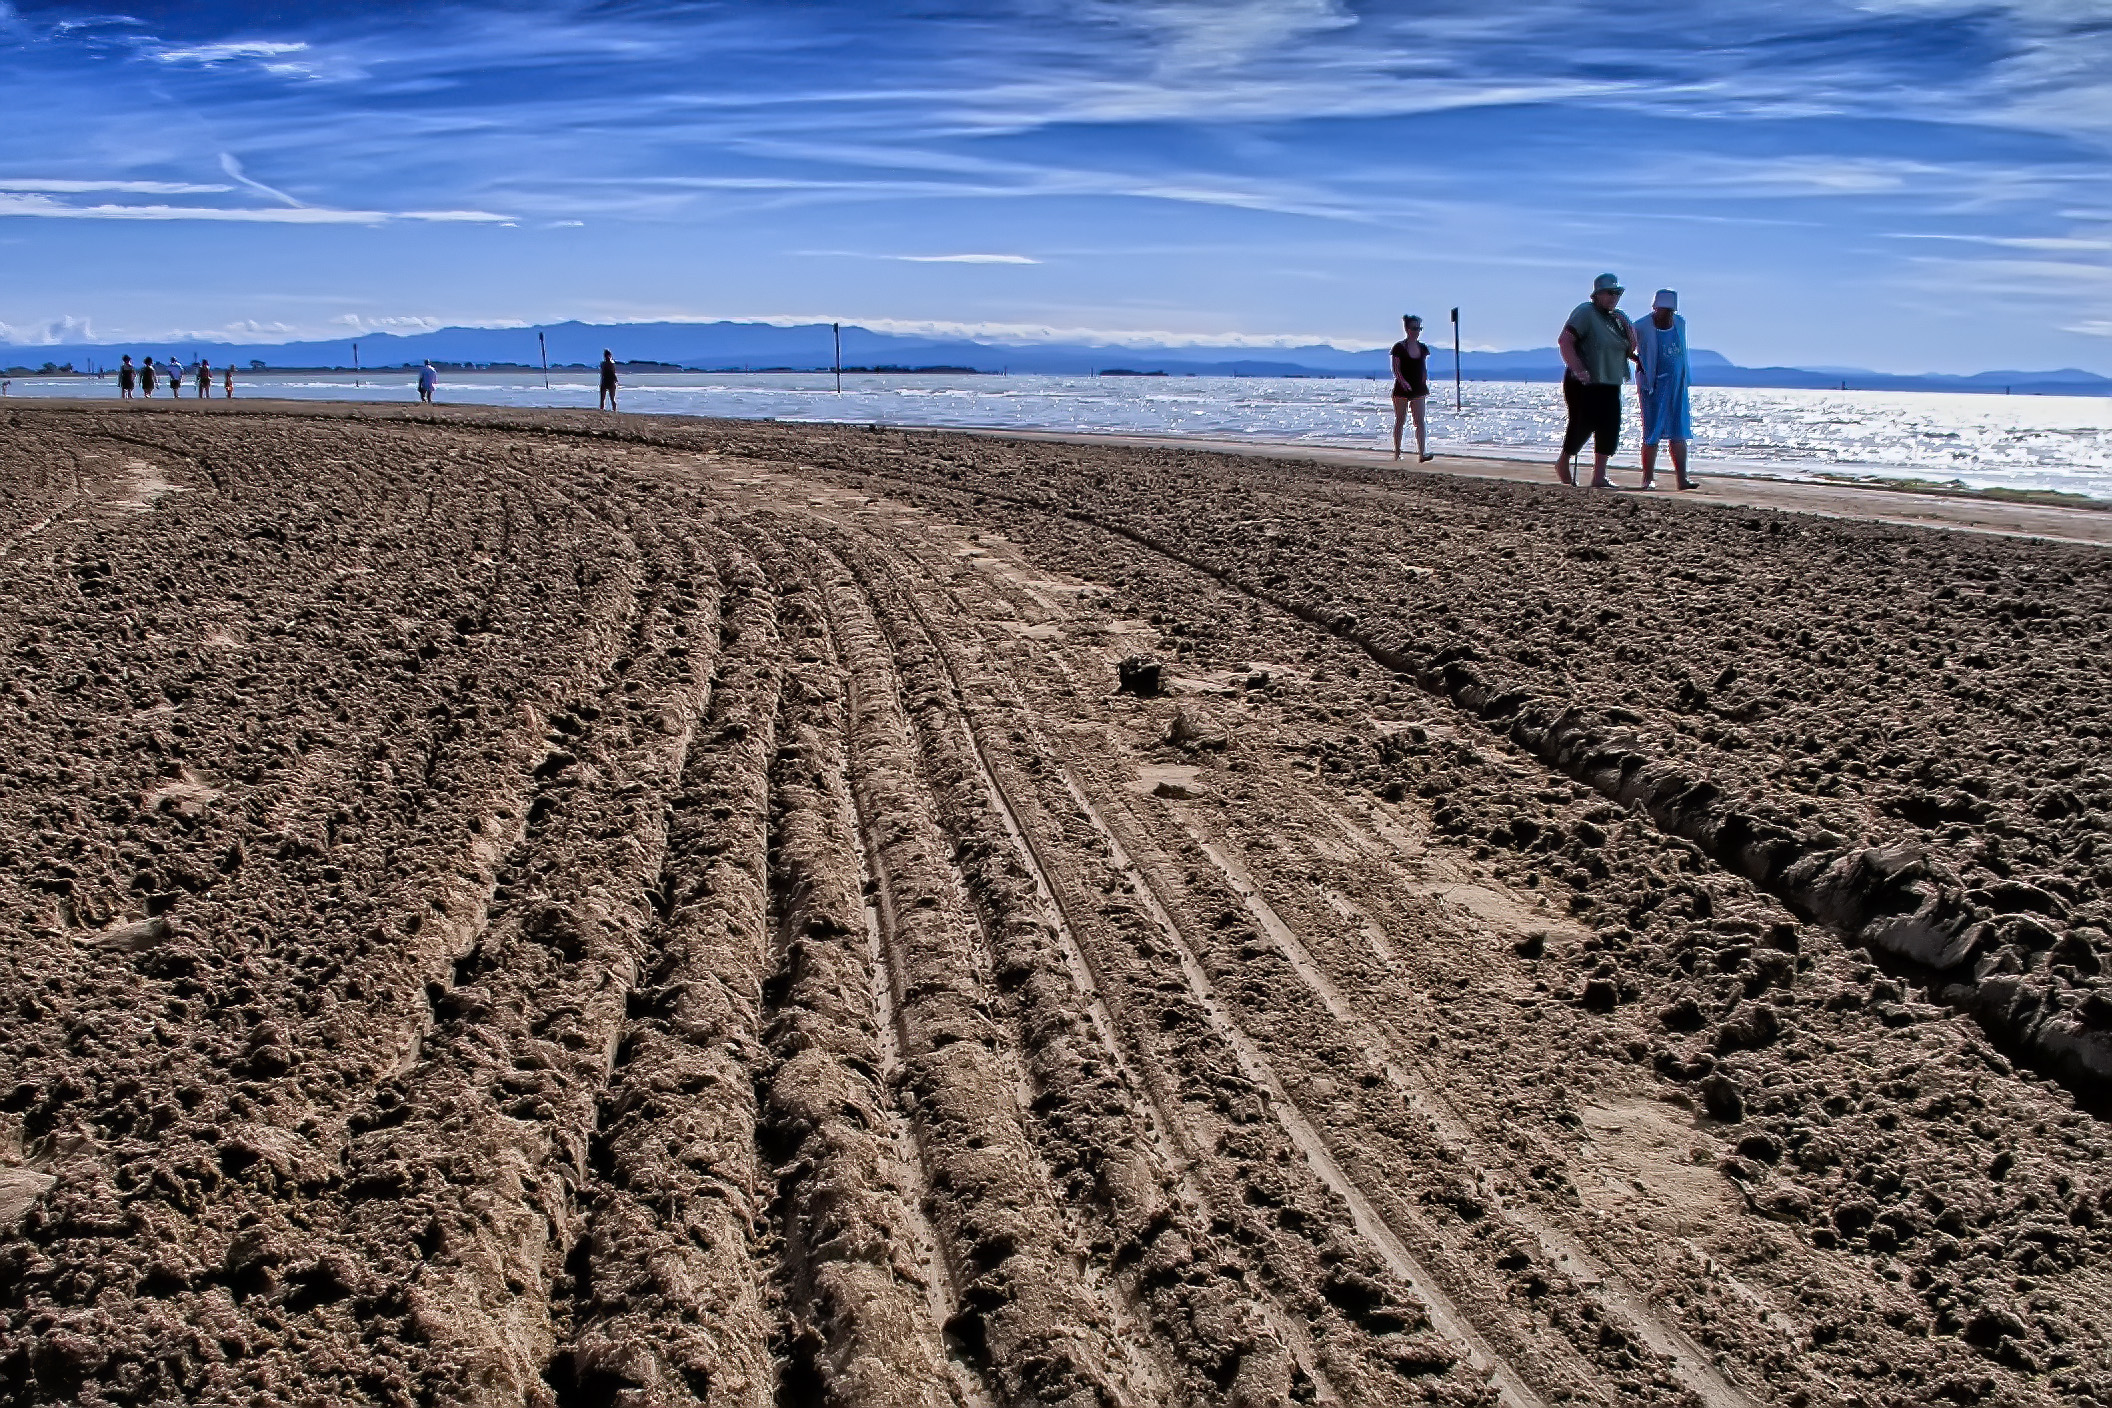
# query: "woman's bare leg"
{"points": [[1400, 419], [1679, 465], [1650, 463], [1422, 439]]}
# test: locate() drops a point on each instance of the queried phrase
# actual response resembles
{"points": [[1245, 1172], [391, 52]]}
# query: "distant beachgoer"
{"points": [[1411, 385], [428, 380], [205, 379], [227, 383], [127, 377], [175, 378], [146, 378], [1661, 380], [1596, 344], [608, 381]]}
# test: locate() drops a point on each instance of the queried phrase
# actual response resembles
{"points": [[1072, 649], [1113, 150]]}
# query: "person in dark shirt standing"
{"points": [[1411, 385], [1597, 344], [607, 398], [146, 378], [126, 376]]}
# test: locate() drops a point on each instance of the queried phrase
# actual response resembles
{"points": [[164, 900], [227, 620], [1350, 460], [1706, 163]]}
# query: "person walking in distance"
{"points": [[608, 381], [1411, 385], [1596, 344], [428, 379], [227, 382], [146, 378], [127, 376], [175, 378], [1661, 381], [205, 380]]}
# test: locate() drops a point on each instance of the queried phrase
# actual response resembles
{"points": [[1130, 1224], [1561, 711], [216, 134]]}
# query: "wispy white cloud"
{"points": [[962, 258], [922, 258], [44, 207], [2046, 244], [232, 167], [138, 188], [222, 53]]}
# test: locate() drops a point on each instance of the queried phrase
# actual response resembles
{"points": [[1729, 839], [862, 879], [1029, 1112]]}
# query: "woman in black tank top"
{"points": [[1411, 384]]}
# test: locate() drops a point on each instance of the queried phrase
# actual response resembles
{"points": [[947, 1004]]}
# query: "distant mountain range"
{"points": [[732, 346]]}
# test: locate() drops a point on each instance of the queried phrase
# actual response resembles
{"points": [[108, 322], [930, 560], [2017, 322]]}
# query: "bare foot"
{"points": [[1602, 482], [1562, 472], [1426, 458], [1649, 482], [1687, 484]]}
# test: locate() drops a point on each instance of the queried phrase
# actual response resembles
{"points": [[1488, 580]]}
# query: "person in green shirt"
{"points": [[1597, 344]]}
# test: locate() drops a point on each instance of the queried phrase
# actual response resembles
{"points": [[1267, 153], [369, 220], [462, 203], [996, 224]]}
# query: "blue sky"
{"points": [[1902, 184]]}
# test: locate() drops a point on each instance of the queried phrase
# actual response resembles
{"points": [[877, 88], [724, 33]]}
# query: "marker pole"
{"points": [[355, 366], [837, 329], [545, 347], [1459, 393]]}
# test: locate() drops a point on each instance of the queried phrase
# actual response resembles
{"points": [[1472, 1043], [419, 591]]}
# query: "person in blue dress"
{"points": [[1661, 380]]}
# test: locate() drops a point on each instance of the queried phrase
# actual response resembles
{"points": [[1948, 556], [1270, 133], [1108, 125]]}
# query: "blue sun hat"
{"points": [[1607, 281]]}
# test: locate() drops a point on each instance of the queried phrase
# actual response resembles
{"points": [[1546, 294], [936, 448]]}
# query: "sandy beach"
{"points": [[515, 907]]}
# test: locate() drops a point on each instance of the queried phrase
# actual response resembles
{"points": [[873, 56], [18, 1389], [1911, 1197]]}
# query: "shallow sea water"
{"points": [[2021, 442]]}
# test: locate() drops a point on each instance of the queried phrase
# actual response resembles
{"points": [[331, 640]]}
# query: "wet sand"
{"points": [[540, 908]]}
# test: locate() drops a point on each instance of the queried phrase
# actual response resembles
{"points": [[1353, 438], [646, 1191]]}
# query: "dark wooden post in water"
{"points": [[355, 365], [544, 347], [837, 329], [1459, 392]]}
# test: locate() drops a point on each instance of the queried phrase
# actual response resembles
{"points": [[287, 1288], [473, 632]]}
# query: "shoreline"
{"points": [[1916, 505]]}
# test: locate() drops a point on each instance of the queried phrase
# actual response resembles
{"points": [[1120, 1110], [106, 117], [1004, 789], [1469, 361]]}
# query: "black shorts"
{"points": [[1594, 414], [1411, 389]]}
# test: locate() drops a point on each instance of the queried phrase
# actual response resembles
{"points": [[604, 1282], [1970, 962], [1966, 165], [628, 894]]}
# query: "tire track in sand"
{"points": [[1445, 1315], [1620, 1299], [1162, 1128]]}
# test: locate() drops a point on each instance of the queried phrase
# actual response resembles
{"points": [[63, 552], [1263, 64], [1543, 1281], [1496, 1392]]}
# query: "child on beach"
{"points": [[1411, 385], [227, 383], [1661, 381], [126, 376]]}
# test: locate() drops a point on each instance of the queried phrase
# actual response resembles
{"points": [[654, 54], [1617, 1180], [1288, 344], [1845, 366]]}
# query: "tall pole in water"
{"points": [[1459, 393], [837, 329], [546, 357], [355, 365]]}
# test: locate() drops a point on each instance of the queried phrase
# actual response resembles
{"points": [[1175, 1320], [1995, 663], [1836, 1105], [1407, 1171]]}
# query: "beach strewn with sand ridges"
{"points": [[517, 907]]}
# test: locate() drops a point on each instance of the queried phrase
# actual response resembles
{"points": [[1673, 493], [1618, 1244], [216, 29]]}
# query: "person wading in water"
{"points": [[1596, 344], [608, 381], [1411, 385]]}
